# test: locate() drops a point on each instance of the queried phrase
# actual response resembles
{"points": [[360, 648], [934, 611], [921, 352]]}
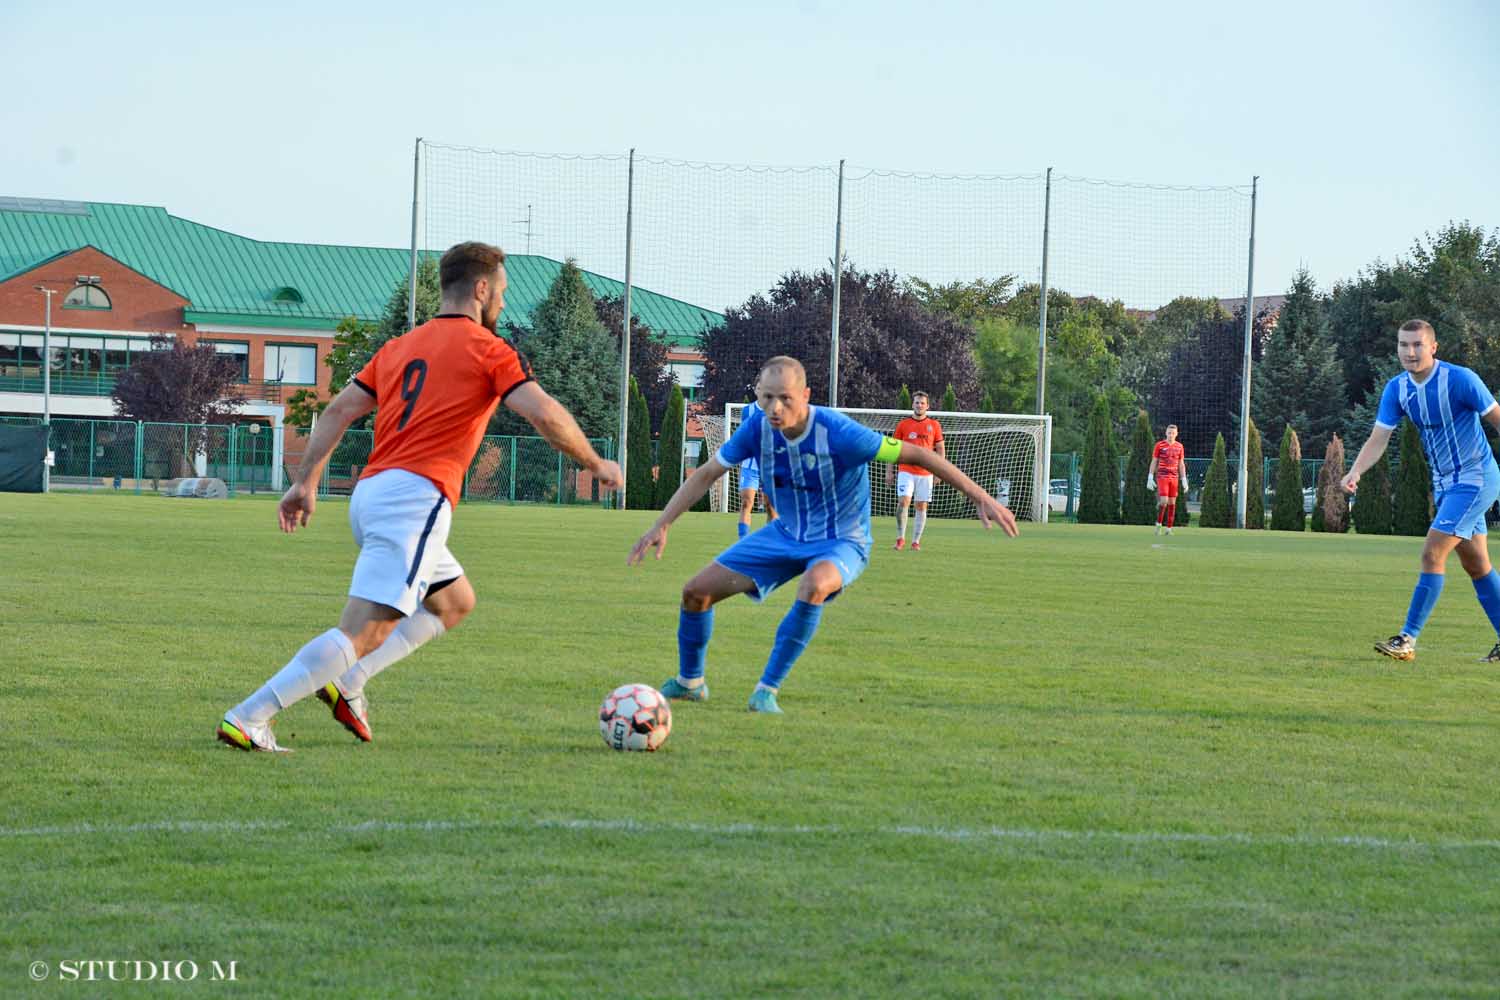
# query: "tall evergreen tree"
{"points": [[1255, 480], [1286, 512], [1099, 502], [1140, 503], [1216, 510], [1371, 512], [903, 401], [640, 484], [950, 399], [1300, 380], [987, 404], [669, 453], [572, 355], [1413, 485]]}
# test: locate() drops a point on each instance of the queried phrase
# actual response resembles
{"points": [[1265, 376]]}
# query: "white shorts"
{"points": [[919, 488], [400, 522]]}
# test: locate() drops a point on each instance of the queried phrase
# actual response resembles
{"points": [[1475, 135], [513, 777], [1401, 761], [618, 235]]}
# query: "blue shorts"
{"points": [[749, 479], [771, 558], [1460, 509]]}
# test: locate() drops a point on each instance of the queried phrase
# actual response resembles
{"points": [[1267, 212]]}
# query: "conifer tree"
{"points": [[1413, 485], [1255, 480], [1140, 502], [1217, 512], [1099, 501], [640, 484], [1371, 512], [669, 453], [1286, 512]]}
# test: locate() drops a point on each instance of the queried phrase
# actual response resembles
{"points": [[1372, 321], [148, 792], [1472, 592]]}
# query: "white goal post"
{"points": [[1009, 454]]}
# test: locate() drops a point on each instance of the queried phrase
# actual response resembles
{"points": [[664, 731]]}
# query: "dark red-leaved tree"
{"points": [[887, 339], [181, 384]]}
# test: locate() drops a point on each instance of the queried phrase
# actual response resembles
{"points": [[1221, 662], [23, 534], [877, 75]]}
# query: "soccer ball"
{"points": [[635, 717]]}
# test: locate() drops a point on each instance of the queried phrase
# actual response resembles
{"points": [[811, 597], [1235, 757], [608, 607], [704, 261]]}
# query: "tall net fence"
{"points": [[1145, 282]]}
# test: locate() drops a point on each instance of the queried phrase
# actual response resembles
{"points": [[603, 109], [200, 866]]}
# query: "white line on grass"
{"points": [[631, 826]]}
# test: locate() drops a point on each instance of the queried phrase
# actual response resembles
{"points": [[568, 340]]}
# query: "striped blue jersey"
{"points": [[818, 483], [1446, 409]]}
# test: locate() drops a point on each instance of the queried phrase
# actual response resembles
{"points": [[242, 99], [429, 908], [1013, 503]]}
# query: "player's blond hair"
{"points": [[785, 361], [466, 263]]}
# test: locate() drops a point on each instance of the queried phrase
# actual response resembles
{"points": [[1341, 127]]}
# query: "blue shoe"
{"points": [[762, 700], [671, 689]]}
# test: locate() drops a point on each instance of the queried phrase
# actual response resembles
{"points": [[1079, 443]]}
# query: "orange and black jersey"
{"points": [[434, 390]]}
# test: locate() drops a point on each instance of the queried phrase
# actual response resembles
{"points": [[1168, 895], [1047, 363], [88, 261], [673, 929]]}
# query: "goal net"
{"points": [[1008, 454]]}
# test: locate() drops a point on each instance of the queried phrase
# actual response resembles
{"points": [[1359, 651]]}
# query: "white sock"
{"points": [[762, 687], [921, 523], [315, 664], [690, 682], [901, 523], [413, 631]]}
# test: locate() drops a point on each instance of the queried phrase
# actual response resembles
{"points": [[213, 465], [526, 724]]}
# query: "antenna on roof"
{"points": [[526, 220]]}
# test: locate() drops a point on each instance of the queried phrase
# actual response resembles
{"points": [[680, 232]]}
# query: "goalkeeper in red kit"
{"points": [[1168, 476]]}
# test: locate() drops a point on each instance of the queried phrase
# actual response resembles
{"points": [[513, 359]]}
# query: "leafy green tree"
{"points": [[1006, 354], [669, 452], [1255, 480], [1371, 512], [950, 400], [1216, 510], [1286, 512], [640, 483], [969, 302], [1413, 485], [987, 404], [1099, 502], [903, 401], [1140, 503]]}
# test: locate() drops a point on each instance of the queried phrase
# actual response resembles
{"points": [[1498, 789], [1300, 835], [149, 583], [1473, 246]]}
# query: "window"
{"points": [[286, 293], [87, 295], [688, 374], [239, 350], [296, 364]]}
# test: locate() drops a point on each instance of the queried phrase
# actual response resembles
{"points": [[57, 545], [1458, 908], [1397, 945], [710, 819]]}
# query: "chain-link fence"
{"points": [[141, 457]]}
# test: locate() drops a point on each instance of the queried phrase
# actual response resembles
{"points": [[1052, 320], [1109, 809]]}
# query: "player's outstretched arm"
{"points": [[991, 511], [692, 488], [557, 426], [1373, 448], [297, 504]]}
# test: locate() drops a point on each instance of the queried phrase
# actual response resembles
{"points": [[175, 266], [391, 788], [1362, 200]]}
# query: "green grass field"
{"points": [[1077, 763]]}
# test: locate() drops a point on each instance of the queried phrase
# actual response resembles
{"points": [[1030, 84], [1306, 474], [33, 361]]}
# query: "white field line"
{"points": [[985, 834]]}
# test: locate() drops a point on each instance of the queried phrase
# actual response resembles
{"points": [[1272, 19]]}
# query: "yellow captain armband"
{"points": [[890, 450]]}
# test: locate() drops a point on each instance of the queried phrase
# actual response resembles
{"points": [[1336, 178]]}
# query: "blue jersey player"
{"points": [[1447, 403], [814, 466]]}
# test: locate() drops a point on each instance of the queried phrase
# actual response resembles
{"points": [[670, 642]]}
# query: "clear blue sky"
{"points": [[1368, 123]]}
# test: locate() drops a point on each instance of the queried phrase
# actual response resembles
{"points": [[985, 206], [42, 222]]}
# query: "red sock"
{"points": [[1171, 513], [1160, 513]]}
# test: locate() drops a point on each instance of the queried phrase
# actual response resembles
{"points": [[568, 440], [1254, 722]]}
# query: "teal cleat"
{"points": [[762, 700], [671, 689]]}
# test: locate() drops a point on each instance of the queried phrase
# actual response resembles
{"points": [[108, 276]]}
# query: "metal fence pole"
{"points": [[838, 284], [1041, 345], [624, 330], [411, 282], [559, 478], [140, 453], [1239, 507], [233, 456], [513, 469]]}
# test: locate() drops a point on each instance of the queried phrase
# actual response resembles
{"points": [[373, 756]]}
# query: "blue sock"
{"points": [[1488, 590], [792, 637], [744, 529], [694, 629], [1423, 597]]}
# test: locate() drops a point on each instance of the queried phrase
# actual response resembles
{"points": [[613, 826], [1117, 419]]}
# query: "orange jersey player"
{"points": [[1168, 466], [912, 481], [433, 391]]}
